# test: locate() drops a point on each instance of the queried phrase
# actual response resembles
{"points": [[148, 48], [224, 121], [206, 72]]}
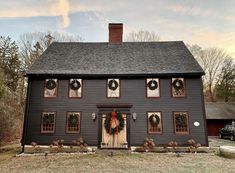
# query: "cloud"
{"points": [[63, 10]]}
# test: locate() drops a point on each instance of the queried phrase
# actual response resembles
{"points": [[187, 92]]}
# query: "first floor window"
{"points": [[113, 88], [73, 122], [154, 122], [181, 122], [48, 122], [50, 89]]}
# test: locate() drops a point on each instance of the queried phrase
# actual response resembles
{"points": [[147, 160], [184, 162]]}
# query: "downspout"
{"points": [[204, 113], [26, 113]]}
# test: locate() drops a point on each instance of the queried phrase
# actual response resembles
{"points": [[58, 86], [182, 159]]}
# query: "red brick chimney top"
{"points": [[115, 33]]}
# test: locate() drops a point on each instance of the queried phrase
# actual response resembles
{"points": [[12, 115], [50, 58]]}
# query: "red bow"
{"points": [[113, 119]]}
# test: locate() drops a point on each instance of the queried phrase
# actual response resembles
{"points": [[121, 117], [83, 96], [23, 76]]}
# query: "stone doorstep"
{"points": [[28, 149]]}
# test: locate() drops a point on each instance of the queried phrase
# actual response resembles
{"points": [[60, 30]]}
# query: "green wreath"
{"points": [[178, 84], [154, 120], [50, 84], [48, 118], [113, 84], [75, 84], [181, 120], [152, 85], [73, 119], [107, 123]]}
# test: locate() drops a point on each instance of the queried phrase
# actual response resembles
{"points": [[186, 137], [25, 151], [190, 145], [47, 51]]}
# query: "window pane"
{"points": [[50, 89], [113, 88], [73, 122], [75, 88], [48, 122], [181, 122], [178, 87], [153, 87], [154, 122]]}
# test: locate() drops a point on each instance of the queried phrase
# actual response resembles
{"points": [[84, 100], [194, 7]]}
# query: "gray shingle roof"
{"points": [[130, 58], [220, 110]]}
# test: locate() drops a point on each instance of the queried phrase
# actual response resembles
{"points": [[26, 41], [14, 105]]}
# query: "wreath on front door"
{"points": [[113, 84], [154, 120], [114, 123], [152, 85]]}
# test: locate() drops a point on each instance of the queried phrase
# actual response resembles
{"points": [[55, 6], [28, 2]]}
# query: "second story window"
{"points": [[178, 87], [75, 88], [152, 87], [113, 88], [50, 89]]}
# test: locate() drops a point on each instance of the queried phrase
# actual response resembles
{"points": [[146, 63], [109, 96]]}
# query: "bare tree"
{"points": [[32, 45], [211, 60], [142, 36], [225, 88]]}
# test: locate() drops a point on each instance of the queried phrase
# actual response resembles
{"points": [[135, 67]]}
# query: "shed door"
{"points": [[111, 137]]}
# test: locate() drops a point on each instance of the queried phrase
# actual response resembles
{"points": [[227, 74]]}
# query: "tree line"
{"points": [[16, 57]]}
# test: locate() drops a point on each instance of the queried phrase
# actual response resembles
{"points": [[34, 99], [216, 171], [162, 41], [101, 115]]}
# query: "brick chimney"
{"points": [[115, 33]]}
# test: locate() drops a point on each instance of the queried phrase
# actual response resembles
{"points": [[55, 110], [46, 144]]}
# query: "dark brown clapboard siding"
{"points": [[132, 92]]}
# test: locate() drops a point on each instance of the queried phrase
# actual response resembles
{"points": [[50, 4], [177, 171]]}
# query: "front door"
{"points": [[113, 130]]}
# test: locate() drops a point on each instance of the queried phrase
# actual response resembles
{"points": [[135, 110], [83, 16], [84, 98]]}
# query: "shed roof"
{"points": [[128, 58], [220, 110]]}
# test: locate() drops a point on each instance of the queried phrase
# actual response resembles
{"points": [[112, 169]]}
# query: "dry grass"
{"points": [[216, 142], [120, 162]]}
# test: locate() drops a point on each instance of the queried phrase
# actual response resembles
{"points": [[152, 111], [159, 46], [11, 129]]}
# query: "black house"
{"points": [[115, 94]]}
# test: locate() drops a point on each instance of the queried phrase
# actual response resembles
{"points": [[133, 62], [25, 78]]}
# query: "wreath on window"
{"points": [[152, 85], [178, 84], [181, 120], [113, 85], [50, 84], [108, 123], [48, 118], [154, 120], [73, 119], [75, 84]]}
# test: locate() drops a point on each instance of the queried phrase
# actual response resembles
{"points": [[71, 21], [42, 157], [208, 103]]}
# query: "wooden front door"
{"points": [[116, 139]]}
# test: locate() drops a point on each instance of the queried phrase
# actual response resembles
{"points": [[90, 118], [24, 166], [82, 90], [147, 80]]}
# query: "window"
{"points": [[48, 122], [152, 87], [50, 89], [154, 122], [75, 88], [73, 122], [113, 88], [178, 87], [181, 122]]}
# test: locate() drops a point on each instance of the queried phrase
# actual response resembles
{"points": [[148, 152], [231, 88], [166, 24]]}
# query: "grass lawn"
{"points": [[120, 162]]}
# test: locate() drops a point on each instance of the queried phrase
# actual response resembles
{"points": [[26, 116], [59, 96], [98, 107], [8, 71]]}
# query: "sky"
{"points": [[208, 23]]}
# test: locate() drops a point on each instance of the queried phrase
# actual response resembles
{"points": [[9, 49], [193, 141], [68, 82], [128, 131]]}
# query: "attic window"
{"points": [[48, 122], [152, 87], [50, 89], [113, 88], [75, 88], [154, 122], [178, 87], [181, 122]]}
